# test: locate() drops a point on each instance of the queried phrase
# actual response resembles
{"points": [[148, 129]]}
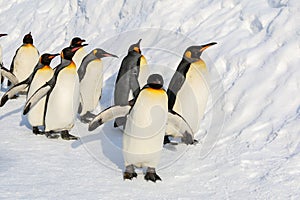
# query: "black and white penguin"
{"points": [[1, 62], [80, 53], [25, 59], [145, 128], [188, 90], [91, 80], [62, 98], [127, 84], [40, 75]]}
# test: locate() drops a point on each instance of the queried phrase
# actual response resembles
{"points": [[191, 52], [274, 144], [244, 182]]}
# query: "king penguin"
{"points": [[145, 128], [127, 84], [1, 62], [25, 59], [91, 79], [188, 90], [40, 75], [80, 53], [62, 98]]}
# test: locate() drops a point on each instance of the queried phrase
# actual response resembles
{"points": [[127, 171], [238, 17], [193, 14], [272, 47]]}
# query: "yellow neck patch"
{"points": [[46, 67], [71, 65], [28, 45], [155, 91], [143, 61], [200, 64]]}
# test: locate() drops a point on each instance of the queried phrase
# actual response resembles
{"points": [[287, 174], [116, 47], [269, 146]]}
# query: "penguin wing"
{"points": [[109, 114], [13, 91], [38, 95], [174, 86], [178, 125], [9, 75]]}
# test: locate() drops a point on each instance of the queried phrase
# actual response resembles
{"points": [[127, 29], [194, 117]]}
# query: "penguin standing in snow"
{"points": [[127, 85], [188, 90], [62, 98], [80, 53], [1, 63], [25, 59], [91, 79], [145, 128], [40, 75]]}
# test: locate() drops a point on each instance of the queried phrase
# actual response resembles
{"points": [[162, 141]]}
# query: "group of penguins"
{"points": [[148, 114]]}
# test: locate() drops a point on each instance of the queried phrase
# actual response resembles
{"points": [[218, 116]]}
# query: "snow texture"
{"points": [[251, 127]]}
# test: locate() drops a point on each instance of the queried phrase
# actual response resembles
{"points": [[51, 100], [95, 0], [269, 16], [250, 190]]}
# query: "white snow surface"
{"points": [[256, 155]]}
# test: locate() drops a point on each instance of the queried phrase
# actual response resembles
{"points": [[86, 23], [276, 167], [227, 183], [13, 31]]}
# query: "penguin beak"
{"points": [[3, 34], [109, 55], [138, 43], [203, 47], [54, 55], [75, 49]]}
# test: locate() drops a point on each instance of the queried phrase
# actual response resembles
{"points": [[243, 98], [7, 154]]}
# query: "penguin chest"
{"points": [[192, 98], [78, 57], [91, 86], [24, 62], [63, 101], [145, 129], [144, 72], [36, 114]]}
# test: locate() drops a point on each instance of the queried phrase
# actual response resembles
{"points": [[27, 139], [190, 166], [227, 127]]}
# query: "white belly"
{"points": [[63, 102], [145, 130], [36, 114], [25, 61], [78, 57], [192, 98], [91, 85]]}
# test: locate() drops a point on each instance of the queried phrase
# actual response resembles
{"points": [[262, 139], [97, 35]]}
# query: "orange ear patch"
{"points": [[136, 49], [188, 54]]}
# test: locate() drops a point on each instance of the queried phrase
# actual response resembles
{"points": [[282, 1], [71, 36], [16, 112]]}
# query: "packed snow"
{"points": [[249, 143]]}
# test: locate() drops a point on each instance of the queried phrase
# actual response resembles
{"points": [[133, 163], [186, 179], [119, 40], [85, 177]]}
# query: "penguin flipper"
{"points": [[109, 114], [178, 127], [38, 95], [9, 75], [13, 91]]}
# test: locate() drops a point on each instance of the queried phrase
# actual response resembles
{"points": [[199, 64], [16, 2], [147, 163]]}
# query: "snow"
{"points": [[249, 142]]}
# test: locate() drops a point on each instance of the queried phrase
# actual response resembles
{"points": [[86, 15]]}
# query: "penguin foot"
{"points": [[151, 175], [51, 135], [188, 138], [86, 118], [166, 139], [120, 121], [66, 136], [36, 131], [129, 173]]}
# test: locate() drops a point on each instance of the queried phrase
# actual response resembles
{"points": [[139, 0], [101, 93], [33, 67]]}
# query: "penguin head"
{"points": [[68, 52], [100, 53], [28, 39], [155, 81], [46, 58], [3, 34], [193, 53], [77, 42], [135, 47]]}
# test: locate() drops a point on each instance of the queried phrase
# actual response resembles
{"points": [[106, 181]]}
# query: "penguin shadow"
{"points": [[17, 110], [105, 145], [24, 122]]}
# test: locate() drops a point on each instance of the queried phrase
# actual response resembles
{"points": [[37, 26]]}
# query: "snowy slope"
{"points": [[255, 98]]}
